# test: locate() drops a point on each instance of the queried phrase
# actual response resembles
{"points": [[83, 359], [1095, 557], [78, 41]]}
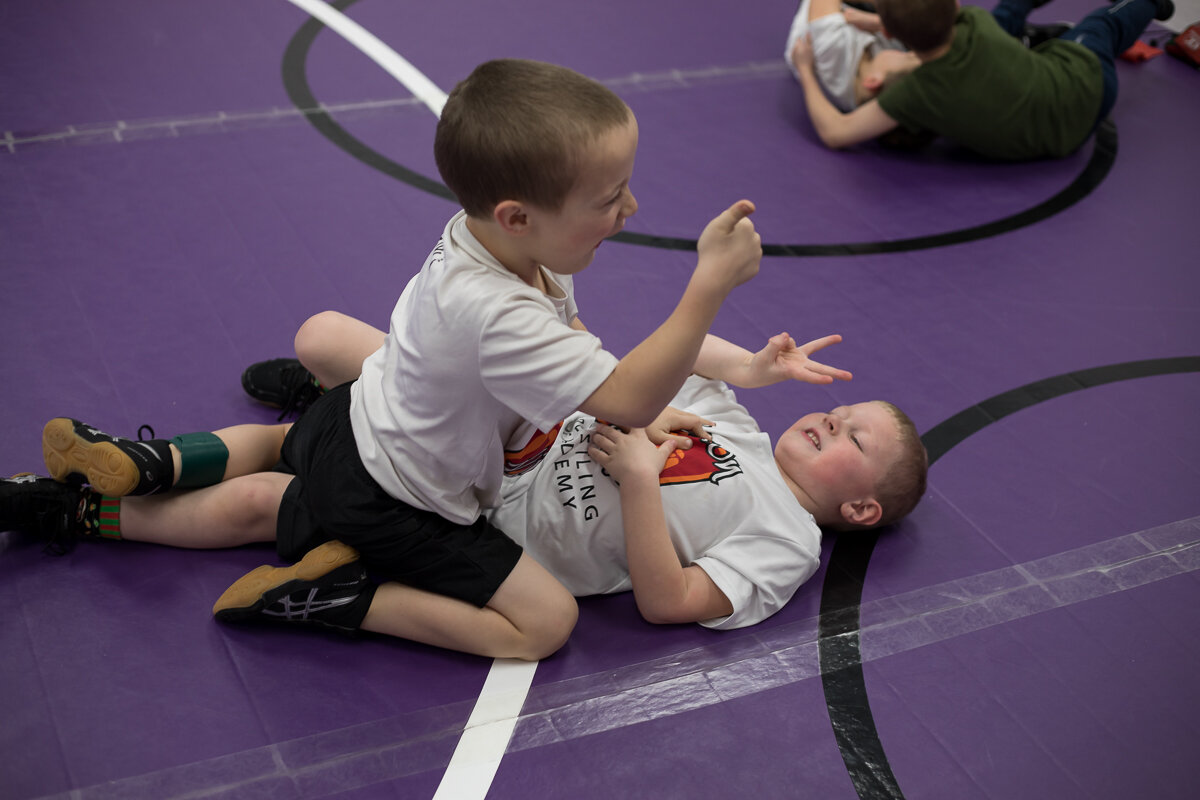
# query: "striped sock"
{"points": [[102, 516], [110, 517]]}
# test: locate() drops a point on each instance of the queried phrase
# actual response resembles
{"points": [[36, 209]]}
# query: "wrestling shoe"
{"points": [[52, 511], [320, 589], [112, 465], [281, 383], [1036, 34]]}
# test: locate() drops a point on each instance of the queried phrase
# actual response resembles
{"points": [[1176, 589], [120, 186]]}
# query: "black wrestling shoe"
{"points": [[111, 464], [325, 589], [1036, 34], [281, 383], [52, 511]]}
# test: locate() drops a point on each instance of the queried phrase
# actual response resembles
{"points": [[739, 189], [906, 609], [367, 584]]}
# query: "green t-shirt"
{"points": [[991, 94]]}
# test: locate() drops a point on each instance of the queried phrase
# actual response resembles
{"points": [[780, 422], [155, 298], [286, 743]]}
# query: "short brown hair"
{"points": [[920, 25], [516, 130], [903, 485]]}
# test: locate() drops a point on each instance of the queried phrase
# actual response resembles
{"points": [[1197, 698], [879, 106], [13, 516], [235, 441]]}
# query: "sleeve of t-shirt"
{"points": [[714, 400], [799, 28], [758, 571], [537, 365], [837, 47], [568, 286]]}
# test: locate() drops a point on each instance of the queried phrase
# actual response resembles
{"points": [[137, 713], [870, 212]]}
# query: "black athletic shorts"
{"points": [[334, 497]]}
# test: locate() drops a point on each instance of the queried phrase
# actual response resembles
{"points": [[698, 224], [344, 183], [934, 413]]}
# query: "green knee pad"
{"points": [[202, 460]]}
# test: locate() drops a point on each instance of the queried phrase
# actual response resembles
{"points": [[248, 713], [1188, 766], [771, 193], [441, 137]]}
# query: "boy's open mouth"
{"points": [[816, 440]]}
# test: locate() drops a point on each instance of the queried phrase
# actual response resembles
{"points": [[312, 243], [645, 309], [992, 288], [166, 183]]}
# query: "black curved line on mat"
{"points": [[838, 631], [295, 81], [1104, 153]]}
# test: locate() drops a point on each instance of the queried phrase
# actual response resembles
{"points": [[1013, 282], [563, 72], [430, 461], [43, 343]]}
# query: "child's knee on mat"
{"points": [[551, 626], [257, 506]]}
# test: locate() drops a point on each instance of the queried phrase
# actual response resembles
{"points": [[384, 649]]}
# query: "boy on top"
{"points": [[718, 530], [979, 86], [484, 358]]}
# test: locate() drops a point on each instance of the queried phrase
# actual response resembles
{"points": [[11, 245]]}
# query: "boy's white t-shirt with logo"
{"points": [[727, 508], [476, 372]]}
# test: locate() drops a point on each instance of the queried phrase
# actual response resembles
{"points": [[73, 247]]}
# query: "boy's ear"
{"points": [[862, 512], [511, 217], [872, 83]]}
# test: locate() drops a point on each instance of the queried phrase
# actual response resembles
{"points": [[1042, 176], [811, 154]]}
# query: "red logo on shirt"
{"points": [[525, 459], [705, 461]]}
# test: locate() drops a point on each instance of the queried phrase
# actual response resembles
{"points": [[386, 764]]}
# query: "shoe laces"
{"points": [[301, 390]]}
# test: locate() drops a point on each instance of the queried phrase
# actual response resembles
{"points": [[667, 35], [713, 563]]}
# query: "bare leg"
{"points": [[530, 616], [332, 346], [232, 513]]}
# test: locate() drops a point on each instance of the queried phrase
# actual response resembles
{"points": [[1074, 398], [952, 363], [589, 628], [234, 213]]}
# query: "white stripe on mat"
{"points": [[486, 736], [409, 76]]}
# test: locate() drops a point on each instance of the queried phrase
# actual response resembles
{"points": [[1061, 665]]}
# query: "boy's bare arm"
{"points": [[837, 130], [646, 379], [670, 419], [823, 8], [863, 20], [664, 589]]}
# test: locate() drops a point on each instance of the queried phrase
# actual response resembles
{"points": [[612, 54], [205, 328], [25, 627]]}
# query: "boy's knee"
{"points": [[315, 334], [259, 497], [551, 627], [539, 608]]}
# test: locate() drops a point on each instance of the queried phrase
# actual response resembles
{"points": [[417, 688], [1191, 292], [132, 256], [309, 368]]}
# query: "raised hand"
{"points": [[782, 359], [729, 248]]}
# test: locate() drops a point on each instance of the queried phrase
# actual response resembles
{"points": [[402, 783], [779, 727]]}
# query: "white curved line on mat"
{"points": [[409, 76], [489, 729]]}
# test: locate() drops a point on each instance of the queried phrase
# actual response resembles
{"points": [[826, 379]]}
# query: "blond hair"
{"points": [[903, 485]]}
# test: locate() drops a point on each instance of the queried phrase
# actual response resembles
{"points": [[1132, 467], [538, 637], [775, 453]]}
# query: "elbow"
{"points": [[661, 614], [655, 619], [834, 140]]}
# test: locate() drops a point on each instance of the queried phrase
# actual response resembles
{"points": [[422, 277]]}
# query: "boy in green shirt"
{"points": [[980, 87]]}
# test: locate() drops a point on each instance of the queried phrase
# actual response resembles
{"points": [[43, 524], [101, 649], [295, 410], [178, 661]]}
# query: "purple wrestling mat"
{"points": [[169, 215]]}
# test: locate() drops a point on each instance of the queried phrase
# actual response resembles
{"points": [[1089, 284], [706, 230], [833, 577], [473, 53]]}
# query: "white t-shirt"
{"points": [[477, 370], [837, 48], [727, 509]]}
